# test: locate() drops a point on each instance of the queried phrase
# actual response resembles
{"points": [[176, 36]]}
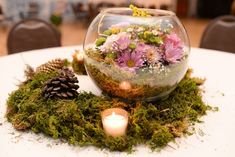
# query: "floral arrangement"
{"points": [[134, 48], [146, 57]]}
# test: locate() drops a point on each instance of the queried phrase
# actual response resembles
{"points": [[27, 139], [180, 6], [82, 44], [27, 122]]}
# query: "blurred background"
{"points": [[71, 18]]}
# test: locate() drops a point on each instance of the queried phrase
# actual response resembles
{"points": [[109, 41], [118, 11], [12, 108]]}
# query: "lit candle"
{"points": [[115, 121], [78, 56]]}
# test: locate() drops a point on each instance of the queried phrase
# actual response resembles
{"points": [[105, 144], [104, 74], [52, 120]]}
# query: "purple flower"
{"points": [[172, 54], [130, 61], [123, 42], [173, 48], [141, 47]]}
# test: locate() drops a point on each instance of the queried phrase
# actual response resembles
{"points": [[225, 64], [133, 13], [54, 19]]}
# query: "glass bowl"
{"points": [[136, 58]]}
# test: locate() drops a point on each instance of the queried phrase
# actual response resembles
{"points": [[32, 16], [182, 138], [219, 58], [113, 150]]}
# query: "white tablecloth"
{"points": [[215, 137]]}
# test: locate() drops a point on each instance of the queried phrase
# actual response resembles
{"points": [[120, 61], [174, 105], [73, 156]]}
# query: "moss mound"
{"points": [[78, 121]]}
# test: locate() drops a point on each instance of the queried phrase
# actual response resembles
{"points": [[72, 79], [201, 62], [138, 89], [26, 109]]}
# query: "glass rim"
{"points": [[163, 13]]}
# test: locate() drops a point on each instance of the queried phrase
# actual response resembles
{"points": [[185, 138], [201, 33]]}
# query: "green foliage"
{"points": [[149, 38], [132, 46], [107, 32], [111, 55], [100, 41], [79, 121]]}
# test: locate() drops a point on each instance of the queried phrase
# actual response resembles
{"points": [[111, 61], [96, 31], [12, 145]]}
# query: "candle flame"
{"points": [[113, 114], [78, 56]]}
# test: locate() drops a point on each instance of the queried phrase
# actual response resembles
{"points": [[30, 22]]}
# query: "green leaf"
{"points": [[156, 40], [107, 32], [100, 41], [111, 55], [132, 46]]}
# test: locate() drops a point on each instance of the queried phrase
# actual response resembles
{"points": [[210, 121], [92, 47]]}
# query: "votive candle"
{"points": [[115, 121]]}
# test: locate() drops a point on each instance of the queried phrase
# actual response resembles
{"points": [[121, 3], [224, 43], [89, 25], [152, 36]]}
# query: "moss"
{"points": [[78, 121], [160, 138], [112, 86]]}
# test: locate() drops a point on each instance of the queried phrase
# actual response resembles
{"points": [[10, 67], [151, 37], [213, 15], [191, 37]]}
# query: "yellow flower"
{"points": [[147, 34], [138, 12], [115, 30]]}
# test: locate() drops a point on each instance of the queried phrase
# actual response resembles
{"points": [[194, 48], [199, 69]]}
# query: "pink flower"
{"points": [[151, 53], [141, 47], [130, 61], [174, 39], [173, 48], [123, 42], [172, 54]]}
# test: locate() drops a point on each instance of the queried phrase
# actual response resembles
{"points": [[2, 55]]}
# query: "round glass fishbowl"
{"points": [[136, 58]]}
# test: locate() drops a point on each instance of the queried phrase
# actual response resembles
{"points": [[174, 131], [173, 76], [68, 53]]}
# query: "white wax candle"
{"points": [[79, 57], [115, 124]]}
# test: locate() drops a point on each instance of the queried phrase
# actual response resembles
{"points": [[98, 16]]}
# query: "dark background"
{"points": [[213, 8]]}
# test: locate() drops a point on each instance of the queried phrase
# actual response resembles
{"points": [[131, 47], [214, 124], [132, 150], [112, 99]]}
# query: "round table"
{"points": [[214, 137]]}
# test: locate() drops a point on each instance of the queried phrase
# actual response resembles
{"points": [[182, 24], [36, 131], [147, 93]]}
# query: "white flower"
{"points": [[129, 29], [155, 32], [108, 46], [140, 29]]}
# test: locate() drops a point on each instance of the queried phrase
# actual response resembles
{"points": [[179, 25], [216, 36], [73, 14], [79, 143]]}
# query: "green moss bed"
{"points": [[78, 121], [111, 86]]}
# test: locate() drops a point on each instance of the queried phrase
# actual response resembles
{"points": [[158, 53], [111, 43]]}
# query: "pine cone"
{"points": [[63, 86], [51, 66], [29, 72]]}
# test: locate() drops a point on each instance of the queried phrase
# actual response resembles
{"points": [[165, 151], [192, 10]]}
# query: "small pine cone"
{"points": [[51, 66], [29, 72], [63, 86]]}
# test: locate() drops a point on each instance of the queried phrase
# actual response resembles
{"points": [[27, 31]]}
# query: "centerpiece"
{"points": [[136, 54]]}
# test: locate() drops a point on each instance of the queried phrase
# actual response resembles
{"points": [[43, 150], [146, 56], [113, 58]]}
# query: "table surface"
{"points": [[214, 137]]}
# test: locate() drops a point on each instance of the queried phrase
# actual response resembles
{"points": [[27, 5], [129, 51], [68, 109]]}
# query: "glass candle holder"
{"points": [[115, 121], [137, 58]]}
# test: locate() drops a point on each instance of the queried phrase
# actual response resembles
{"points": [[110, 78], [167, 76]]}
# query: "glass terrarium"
{"points": [[136, 57]]}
